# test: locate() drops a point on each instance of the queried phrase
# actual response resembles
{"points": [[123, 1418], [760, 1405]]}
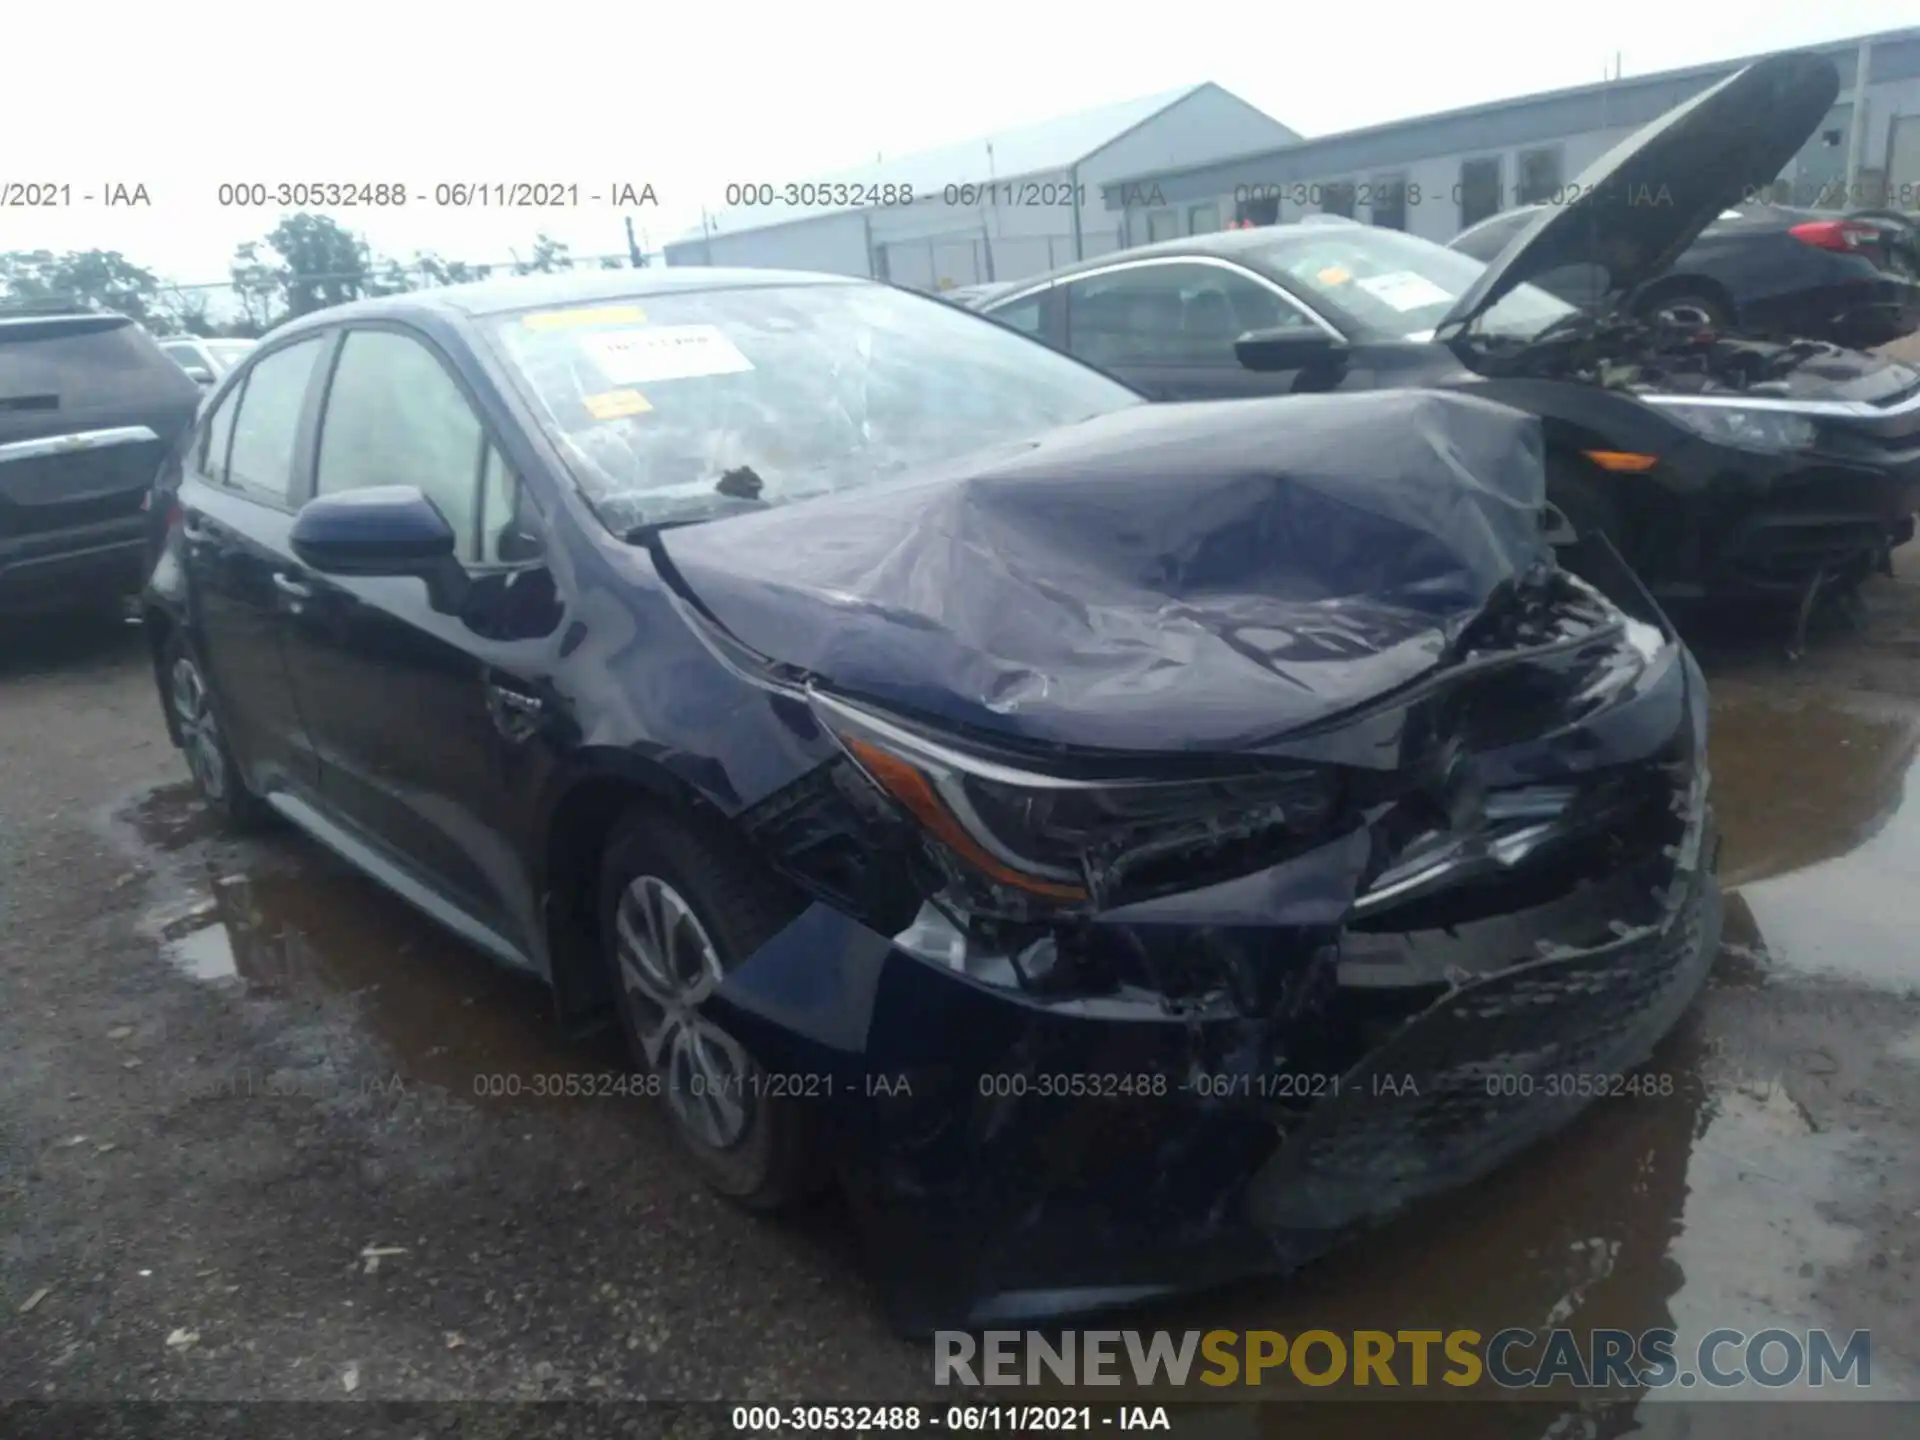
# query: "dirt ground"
{"points": [[247, 1149]]}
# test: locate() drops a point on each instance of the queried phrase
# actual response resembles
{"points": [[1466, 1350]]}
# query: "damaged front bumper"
{"points": [[1278, 1062]]}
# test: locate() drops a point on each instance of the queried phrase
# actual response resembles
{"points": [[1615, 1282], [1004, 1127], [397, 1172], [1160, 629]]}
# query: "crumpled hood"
{"points": [[1639, 206], [1162, 578]]}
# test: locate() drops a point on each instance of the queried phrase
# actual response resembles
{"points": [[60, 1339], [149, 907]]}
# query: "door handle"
{"points": [[287, 585]]}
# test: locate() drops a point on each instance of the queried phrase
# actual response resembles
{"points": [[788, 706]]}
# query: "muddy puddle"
{"points": [[1709, 1204], [1821, 834], [281, 918]]}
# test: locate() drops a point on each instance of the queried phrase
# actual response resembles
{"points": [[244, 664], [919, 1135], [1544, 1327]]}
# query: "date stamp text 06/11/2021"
{"points": [[61, 194]]}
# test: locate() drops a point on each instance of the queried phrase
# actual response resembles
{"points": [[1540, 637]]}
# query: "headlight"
{"points": [[1771, 430], [1018, 843]]}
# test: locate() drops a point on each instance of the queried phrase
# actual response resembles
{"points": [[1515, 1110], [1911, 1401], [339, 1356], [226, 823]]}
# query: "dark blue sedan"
{"points": [[1125, 846]]}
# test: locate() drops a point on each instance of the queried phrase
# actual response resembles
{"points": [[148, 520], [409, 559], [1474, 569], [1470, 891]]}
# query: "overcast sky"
{"points": [[183, 97]]}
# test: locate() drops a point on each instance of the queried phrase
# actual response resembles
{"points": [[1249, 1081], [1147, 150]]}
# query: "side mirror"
{"points": [[1289, 349], [388, 530]]}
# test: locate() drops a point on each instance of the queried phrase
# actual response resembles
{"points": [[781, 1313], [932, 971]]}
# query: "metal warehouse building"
{"points": [[997, 208], [1436, 174]]}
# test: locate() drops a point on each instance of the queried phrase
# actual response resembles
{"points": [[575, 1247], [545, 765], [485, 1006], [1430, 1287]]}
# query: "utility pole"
{"points": [[635, 254], [1857, 130]]}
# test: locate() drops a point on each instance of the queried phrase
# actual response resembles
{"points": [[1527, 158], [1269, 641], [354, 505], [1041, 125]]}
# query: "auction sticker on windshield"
{"points": [[614, 404], [664, 352], [1404, 290]]}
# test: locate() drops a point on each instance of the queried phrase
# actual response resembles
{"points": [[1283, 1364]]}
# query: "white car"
{"points": [[205, 361]]}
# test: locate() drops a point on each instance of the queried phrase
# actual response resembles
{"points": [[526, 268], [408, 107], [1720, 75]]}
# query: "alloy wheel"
{"points": [[669, 966], [199, 730], [1689, 313]]}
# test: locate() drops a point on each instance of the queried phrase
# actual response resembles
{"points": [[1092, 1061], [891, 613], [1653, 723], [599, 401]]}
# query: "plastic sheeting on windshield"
{"points": [[1173, 577]]}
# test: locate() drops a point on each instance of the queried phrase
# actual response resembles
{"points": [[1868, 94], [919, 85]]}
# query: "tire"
{"points": [[1697, 307], [664, 874], [190, 709]]}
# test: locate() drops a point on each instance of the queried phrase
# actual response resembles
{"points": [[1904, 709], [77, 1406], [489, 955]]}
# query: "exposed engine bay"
{"points": [[1621, 351]]}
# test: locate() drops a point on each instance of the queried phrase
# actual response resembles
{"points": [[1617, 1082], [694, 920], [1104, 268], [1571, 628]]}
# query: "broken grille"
{"points": [[1478, 1075]]}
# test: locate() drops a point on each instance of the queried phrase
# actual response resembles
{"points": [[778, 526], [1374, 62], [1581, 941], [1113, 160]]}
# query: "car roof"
{"points": [[27, 316], [1224, 244], [567, 287]]}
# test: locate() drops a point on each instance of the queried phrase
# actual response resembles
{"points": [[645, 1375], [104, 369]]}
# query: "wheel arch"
{"points": [[597, 790], [159, 625]]}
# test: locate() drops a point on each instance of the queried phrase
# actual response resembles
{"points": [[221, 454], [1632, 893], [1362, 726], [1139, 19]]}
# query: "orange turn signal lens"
{"points": [[907, 785], [1623, 461]]}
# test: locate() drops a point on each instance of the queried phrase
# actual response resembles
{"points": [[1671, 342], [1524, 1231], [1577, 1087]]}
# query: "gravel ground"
{"points": [[246, 1153]]}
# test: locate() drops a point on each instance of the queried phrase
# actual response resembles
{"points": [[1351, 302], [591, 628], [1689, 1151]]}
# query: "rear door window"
{"points": [[267, 429], [1173, 313], [216, 435], [1022, 315]]}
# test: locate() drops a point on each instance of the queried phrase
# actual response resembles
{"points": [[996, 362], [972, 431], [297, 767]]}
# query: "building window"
{"points": [[1479, 190], [1203, 219], [1265, 210], [1539, 179], [1163, 225], [1389, 197], [1337, 197]]}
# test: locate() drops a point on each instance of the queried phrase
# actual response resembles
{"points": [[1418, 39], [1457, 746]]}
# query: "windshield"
{"points": [[684, 406], [229, 353], [1400, 286]]}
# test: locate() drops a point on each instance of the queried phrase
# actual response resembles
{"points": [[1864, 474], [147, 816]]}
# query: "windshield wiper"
{"points": [[647, 529], [742, 485]]}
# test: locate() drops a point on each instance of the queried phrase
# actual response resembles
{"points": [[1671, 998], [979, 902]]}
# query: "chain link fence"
{"points": [[254, 300]]}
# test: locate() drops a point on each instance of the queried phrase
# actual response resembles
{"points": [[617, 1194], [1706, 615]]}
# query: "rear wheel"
{"points": [[679, 909], [1697, 308], [189, 701]]}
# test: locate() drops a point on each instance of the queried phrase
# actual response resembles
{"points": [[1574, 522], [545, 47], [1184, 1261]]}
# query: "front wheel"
{"points": [[679, 909]]}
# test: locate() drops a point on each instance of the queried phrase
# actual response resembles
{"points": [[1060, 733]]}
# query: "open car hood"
{"points": [[1161, 578], [1640, 205]]}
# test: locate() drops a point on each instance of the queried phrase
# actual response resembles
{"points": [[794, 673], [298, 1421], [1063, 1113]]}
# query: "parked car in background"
{"points": [[976, 295], [958, 776], [1764, 269], [88, 406], [1720, 464], [205, 361]]}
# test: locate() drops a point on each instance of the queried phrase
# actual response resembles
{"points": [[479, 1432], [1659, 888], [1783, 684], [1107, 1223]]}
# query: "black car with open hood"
{"points": [[1718, 462], [1126, 846]]}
